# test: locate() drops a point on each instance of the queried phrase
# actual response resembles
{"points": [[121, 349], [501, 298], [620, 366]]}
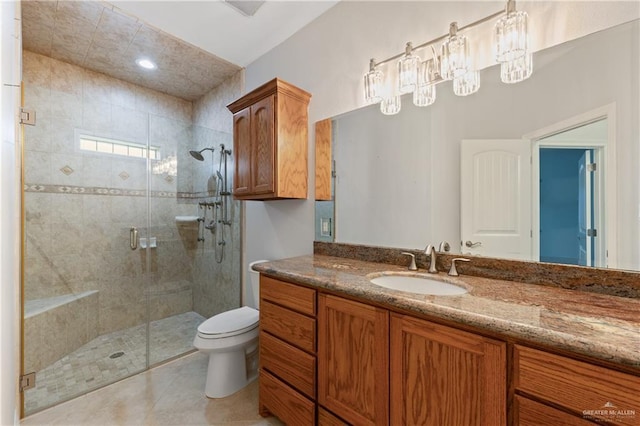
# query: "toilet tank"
{"points": [[254, 283]]}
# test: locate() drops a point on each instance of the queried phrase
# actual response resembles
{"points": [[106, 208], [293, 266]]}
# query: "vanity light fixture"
{"points": [[146, 63], [391, 100], [454, 62], [373, 84], [408, 70], [466, 84], [517, 70], [428, 76], [511, 38], [455, 54]]}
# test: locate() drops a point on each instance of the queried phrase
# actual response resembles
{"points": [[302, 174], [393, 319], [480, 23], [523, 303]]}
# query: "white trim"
{"points": [[605, 154]]}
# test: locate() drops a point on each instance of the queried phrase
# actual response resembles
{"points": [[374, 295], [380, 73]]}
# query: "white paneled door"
{"points": [[496, 198]]}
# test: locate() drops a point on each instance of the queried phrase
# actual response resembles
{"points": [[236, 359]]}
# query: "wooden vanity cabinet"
{"points": [[444, 376], [287, 352], [554, 389], [270, 132], [378, 367], [353, 363]]}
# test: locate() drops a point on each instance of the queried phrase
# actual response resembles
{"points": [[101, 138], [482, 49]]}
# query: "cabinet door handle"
{"points": [[133, 238]]}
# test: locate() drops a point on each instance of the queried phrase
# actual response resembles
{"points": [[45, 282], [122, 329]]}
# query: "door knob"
{"points": [[472, 245]]}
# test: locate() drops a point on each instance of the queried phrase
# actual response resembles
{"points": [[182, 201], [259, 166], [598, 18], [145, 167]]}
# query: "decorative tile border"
{"points": [[95, 190]]}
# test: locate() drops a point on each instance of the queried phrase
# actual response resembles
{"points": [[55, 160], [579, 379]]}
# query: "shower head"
{"points": [[198, 154]]}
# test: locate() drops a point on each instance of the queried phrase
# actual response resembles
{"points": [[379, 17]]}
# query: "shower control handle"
{"points": [[133, 238]]}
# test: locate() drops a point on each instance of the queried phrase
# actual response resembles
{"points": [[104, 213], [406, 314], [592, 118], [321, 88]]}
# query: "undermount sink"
{"points": [[417, 284]]}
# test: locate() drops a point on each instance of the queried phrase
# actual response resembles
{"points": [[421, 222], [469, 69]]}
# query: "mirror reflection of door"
{"points": [[566, 206], [571, 195], [496, 198]]}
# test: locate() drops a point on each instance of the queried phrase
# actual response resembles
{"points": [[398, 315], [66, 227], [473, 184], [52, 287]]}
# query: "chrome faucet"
{"points": [[430, 251]]}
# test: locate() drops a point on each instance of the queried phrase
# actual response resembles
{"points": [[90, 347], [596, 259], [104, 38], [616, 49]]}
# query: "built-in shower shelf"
{"points": [[186, 219]]}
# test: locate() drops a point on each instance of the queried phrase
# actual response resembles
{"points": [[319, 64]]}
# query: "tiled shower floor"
{"points": [[96, 364]]}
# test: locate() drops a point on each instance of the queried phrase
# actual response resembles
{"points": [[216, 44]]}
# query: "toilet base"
{"points": [[228, 372]]}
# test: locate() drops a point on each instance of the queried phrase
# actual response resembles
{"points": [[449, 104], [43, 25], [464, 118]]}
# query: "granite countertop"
{"points": [[599, 326]]}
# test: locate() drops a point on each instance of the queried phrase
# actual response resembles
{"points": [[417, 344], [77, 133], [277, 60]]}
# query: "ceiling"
{"points": [[196, 45]]}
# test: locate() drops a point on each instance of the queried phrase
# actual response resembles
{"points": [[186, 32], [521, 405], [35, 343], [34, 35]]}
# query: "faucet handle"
{"points": [[453, 271], [412, 264]]}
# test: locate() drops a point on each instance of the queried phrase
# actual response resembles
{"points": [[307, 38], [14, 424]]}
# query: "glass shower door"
{"points": [[86, 186]]}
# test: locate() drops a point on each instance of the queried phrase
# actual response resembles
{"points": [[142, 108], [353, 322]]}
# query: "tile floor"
{"points": [[91, 366], [171, 394]]}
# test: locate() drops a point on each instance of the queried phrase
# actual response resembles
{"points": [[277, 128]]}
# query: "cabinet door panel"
{"points": [[263, 146], [444, 376], [242, 151], [353, 373]]}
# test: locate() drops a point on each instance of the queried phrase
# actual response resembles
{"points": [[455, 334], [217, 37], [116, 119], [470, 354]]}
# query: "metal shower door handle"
{"points": [[472, 245], [133, 238]]}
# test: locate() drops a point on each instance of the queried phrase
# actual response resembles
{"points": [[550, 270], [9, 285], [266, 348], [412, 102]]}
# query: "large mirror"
{"points": [[398, 178]]}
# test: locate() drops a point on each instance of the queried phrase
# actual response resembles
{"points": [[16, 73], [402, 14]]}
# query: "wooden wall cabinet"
{"points": [[270, 133]]}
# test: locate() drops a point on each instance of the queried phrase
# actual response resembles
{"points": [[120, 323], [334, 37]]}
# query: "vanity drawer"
{"points": [[292, 365], [576, 385], [531, 413], [292, 327], [300, 299], [285, 403]]}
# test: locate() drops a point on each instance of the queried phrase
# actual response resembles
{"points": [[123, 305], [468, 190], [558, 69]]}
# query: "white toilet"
{"points": [[231, 340]]}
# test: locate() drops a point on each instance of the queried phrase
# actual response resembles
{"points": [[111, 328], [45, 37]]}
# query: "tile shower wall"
{"points": [[217, 285], [79, 206]]}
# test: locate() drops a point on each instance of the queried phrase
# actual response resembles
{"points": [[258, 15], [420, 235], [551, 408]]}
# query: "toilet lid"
{"points": [[230, 323]]}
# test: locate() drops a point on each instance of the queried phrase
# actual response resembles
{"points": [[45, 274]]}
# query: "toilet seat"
{"points": [[229, 323]]}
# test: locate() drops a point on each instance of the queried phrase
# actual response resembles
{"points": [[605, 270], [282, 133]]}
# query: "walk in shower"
{"points": [[116, 278]]}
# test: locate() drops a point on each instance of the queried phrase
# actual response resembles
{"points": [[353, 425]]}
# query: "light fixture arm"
{"points": [[446, 36]]}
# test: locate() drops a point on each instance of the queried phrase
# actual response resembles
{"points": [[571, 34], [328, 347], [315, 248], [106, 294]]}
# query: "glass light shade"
{"points": [[466, 84], [390, 105], [424, 95], [511, 39], [373, 81], [517, 70], [455, 57], [408, 73]]}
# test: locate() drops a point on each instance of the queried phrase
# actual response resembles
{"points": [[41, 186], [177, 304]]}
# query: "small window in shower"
{"points": [[118, 147]]}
